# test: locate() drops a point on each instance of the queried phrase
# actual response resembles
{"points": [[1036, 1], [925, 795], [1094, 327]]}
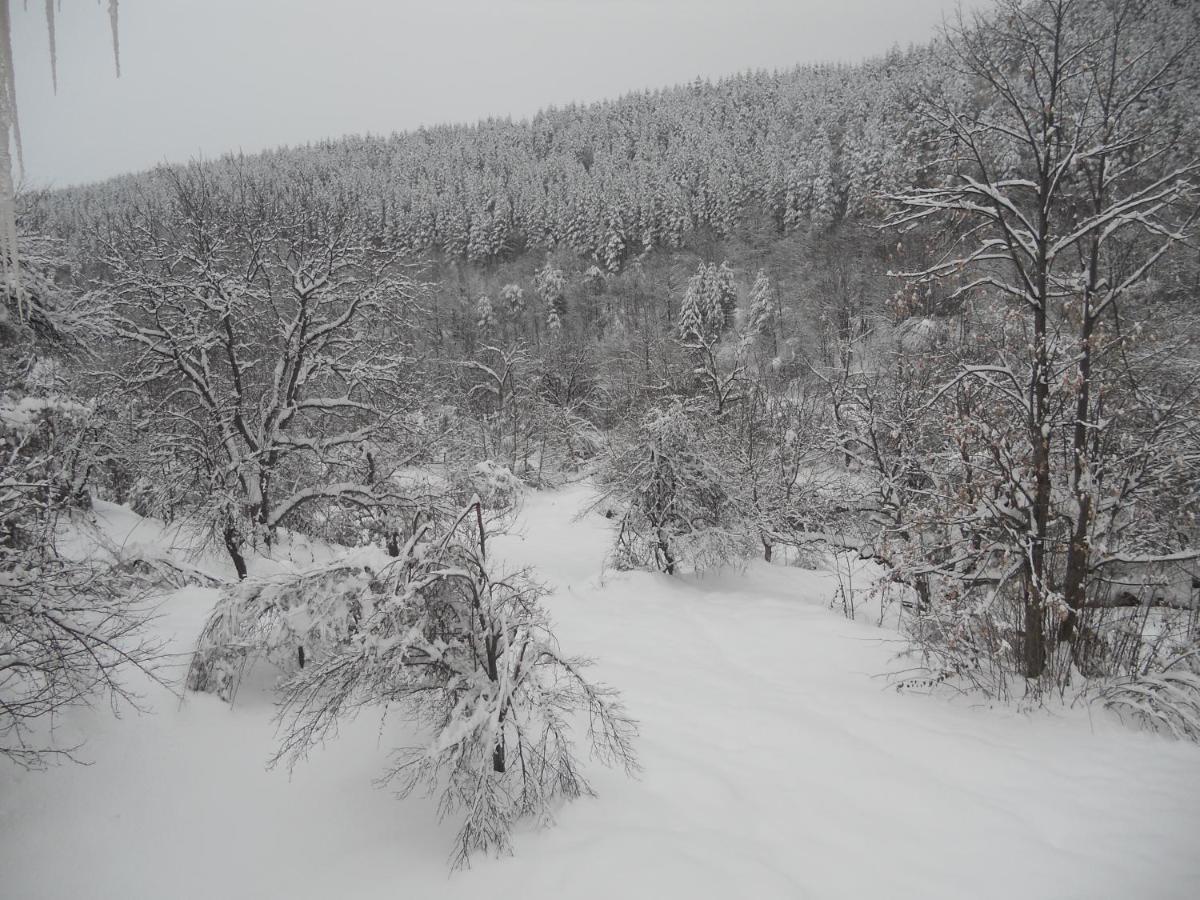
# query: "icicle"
{"points": [[116, 35], [10, 133], [10, 136], [11, 122], [53, 49]]}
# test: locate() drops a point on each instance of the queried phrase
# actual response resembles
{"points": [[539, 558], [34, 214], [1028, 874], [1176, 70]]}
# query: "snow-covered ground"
{"points": [[778, 763]]}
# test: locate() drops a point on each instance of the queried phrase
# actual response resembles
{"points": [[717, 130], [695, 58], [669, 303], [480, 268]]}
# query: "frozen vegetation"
{"points": [[777, 762], [783, 486]]}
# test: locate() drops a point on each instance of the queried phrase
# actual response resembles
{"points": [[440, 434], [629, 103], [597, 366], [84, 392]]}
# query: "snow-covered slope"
{"points": [[777, 764]]}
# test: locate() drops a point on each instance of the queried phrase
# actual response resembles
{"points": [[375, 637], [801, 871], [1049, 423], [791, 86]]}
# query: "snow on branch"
{"points": [[492, 703]]}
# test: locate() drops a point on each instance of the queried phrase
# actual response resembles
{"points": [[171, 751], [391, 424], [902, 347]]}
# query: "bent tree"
{"points": [[1061, 175], [464, 651]]}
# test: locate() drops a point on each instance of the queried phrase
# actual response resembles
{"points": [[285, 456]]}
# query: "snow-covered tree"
{"points": [[723, 286], [1069, 404], [485, 319], [269, 350], [709, 304], [465, 651], [498, 391], [70, 629], [678, 511], [704, 314], [701, 318], [513, 297], [760, 316], [551, 287]]}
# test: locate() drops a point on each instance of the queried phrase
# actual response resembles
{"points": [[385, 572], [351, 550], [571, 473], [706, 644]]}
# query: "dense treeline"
{"points": [[612, 180]]}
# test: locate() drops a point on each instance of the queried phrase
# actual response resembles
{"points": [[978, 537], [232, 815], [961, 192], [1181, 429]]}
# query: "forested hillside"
{"points": [[934, 312], [612, 181]]}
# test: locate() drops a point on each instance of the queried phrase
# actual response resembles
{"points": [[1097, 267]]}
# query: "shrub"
{"points": [[678, 512], [466, 652]]}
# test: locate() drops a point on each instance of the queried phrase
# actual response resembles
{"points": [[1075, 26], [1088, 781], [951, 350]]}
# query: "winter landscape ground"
{"points": [[777, 762]]}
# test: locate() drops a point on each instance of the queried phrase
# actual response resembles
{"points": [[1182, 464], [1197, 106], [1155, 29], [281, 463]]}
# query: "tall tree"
{"points": [[1066, 186], [269, 342]]}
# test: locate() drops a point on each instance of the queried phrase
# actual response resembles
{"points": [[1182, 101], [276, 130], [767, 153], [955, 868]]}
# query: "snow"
{"points": [[20, 416], [777, 763]]}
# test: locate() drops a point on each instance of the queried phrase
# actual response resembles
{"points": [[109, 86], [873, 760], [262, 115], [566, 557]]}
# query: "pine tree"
{"points": [[551, 287], [724, 292], [696, 319], [708, 306], [762, 305], [485, 319]]}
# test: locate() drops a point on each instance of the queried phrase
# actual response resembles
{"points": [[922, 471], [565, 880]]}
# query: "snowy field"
{"points": [[777, 763]]}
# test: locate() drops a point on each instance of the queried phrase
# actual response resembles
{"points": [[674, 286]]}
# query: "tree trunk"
{"points": [[498, 756], [664, 545], [1075, 580], [233, 544], [1034, 647]]}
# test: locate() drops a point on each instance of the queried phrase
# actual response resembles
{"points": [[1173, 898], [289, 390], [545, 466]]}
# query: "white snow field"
{"points": [[778, 763]]}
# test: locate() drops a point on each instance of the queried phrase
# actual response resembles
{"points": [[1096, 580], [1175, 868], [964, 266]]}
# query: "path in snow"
{"points": [[777, 764]]}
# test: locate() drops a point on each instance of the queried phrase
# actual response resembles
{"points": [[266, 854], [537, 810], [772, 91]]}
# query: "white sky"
{"points": [[202, 77]]}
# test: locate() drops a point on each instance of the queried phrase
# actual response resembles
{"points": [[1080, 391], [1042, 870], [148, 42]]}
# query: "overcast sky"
{"points": [[203, 77]]}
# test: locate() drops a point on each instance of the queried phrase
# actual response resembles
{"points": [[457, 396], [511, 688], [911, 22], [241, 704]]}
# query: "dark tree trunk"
{"points": [[233, 544], [1034, 649], [1079, 551], [664, 545], [498, 756]]}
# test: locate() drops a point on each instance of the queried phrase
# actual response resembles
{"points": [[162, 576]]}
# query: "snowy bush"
{"points": [[68, 632], [68, 629], [679, 512], [466, 652], [286, 620], [141, 572], [1166, 700], [495, 485]]}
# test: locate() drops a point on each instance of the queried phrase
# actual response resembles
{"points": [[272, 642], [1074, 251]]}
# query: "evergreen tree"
{"points": [[485, 319], [551, 287], [723, 286], [762, 307], [708, 306]]}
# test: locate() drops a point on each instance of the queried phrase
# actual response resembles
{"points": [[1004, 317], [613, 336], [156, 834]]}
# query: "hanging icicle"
{"points": [[10, 136], [12, 121], [116, 34], [53, 48]]}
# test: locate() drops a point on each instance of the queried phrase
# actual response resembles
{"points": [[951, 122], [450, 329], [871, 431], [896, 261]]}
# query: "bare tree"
{"points": [[1066, 186], [69, 629], [679, 507], [270, 340]]}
